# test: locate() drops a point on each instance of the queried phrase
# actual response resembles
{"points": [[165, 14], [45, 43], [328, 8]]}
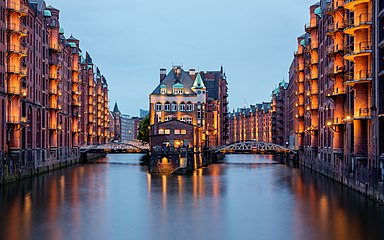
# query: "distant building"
{"points": [[117, 123], [129, 127], [143, 113]]}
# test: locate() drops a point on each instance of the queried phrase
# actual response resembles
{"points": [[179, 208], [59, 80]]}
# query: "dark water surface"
{"points": [[246, 197]]}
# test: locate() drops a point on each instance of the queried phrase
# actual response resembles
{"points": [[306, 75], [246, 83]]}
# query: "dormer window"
{"points": [[178, 88], [163, 89]]}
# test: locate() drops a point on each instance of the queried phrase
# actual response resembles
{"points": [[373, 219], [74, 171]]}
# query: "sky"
{"points": [[130, 40]]}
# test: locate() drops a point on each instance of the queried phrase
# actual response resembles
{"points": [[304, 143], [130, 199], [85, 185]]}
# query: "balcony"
{"points": [[18, 70], [55, 61], [17, 91], [362, 114], [55, 47], [333, 28], [76, 103], [363, 21], [362, 76], [336, 93], [314, 106], [314, 91], [16, 120], [310, 26], [350, 4], [360, 49], [54, 77], [19, 50], [314, 76], [14, 6], [53, 92], [332, 70], [18, 29], [336, 6], [334, 49]]}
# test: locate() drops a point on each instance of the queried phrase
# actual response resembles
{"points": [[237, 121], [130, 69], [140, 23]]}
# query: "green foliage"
{"points": [[143, 134]]}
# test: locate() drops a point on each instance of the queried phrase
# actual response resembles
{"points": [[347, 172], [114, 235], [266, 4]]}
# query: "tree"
{"points": [[143, 134]]}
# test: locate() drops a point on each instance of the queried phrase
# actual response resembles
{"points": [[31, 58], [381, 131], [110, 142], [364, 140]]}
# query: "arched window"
{"points": [[189, 107], [182, 107], [174, 107], [158, 107], [167, 107]]}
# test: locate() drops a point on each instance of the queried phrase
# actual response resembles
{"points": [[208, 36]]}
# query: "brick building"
{"points": [[45, 92], [199, 99], [253, 123]]}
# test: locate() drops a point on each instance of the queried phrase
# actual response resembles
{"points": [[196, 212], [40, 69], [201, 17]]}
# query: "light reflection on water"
{"points": [[245, 197]]}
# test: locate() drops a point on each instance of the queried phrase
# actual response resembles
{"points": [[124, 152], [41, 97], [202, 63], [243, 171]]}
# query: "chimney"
{"points": [[192, 73], [163, 73]]}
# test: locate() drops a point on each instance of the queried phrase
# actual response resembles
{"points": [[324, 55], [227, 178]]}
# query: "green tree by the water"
{"points": [[144, 130]]}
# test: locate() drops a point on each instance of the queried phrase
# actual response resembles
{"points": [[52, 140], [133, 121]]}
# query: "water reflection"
{"points": [[245, 197]]}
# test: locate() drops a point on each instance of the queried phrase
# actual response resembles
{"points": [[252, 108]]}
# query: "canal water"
{"points": [[245, 197]]}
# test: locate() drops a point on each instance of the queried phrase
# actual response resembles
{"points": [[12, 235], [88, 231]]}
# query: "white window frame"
{"points": [[182, 107], [158, 106], [174, 106], [167, 107]]}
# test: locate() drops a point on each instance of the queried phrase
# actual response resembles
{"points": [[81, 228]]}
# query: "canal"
{"points": [[245, 197]]}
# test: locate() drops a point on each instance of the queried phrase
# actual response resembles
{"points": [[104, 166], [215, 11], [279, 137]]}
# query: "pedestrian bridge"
{"points": [[116, 148], [254, 147]]}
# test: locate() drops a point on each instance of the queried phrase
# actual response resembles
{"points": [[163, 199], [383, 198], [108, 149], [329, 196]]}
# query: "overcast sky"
{"points": [[130, 40]]}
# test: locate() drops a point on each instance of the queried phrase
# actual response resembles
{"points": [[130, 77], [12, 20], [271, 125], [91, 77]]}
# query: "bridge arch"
{"points": [[252, 146]]}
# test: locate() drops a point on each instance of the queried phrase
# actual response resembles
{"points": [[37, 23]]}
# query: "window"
{"points": [[177, 131], [167, 107], [183, 131], [189, 107], [186, 119], [178, 91], [161, 131], [163, 90], [182, 107], [167, 131], [168, 118], [158, 107], [174, 107]]}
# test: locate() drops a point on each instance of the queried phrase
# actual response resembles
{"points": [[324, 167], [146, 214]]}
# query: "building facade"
{"points": [[334, 100], [199, 99], [42, 91], [251, 124]]}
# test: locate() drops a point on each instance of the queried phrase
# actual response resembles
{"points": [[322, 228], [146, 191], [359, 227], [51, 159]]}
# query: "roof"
{"points": [[116, 108], [176, 77], [199, 83]]}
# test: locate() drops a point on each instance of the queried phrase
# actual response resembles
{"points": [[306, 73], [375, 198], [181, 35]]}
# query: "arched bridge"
{"points": [[253, 147], [116, 148]]}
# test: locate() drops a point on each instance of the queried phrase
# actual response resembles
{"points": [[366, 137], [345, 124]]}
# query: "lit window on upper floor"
{"points": [[163, 89], [182, 107], [189, 107], [158, 106], [167, 107], [178, 88]]}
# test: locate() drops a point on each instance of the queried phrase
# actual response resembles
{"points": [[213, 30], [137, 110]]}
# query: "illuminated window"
{"points": [[183, 131], [174, 107], [189, 107], [163, 91], [187, 119], [182, 107], [167, 131], [167, 107], [177, 131], [161, 131], [158, 107], [168, 118]]}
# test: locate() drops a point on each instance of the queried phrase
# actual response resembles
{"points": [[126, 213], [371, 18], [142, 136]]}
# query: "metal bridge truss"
{"points": [[117, 147], [253, 147]]}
